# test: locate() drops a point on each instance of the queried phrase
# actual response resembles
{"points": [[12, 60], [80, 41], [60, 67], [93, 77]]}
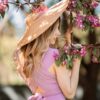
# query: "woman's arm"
{"points": [[74, 75], [68, 79]]}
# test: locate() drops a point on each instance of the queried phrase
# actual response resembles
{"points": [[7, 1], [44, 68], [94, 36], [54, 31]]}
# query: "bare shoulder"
{"points": [[58, 70], [53, 52]]}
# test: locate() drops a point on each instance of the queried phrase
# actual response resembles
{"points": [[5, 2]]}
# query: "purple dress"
{"points": [[46, 80]]}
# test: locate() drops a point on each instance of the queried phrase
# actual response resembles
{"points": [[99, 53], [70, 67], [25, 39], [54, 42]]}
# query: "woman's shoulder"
{"points": [[51, 53], [54, 51]]}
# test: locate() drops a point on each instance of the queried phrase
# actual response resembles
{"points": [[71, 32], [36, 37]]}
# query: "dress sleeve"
{"points": [[55, 53]]}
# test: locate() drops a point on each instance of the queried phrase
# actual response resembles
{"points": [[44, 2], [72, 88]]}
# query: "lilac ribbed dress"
{"points": [[46, 80]]}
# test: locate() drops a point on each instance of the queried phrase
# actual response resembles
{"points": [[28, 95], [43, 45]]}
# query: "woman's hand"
{"points": [[77, 61], [68, 79]]}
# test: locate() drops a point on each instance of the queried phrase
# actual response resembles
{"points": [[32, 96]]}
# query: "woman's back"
{"points": [[46, 80]]}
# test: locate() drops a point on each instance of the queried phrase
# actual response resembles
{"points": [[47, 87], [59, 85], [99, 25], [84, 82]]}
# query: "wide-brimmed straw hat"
{"points": [[37, 23]]}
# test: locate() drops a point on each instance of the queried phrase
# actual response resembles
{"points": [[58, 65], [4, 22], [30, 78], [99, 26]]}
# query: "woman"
{"points": [[36, 62]]}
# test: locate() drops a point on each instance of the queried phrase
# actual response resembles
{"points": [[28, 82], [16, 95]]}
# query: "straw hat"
{"points": [[37, 23]]}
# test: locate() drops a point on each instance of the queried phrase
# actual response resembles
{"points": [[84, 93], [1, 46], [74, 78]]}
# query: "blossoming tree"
{"points": [[80, 14]]}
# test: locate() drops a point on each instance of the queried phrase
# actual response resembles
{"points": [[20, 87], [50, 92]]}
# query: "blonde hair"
{"points": [[29, 56]]}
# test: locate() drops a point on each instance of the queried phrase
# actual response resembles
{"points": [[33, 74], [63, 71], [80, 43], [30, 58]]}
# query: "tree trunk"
{"points": [[89, 81]]}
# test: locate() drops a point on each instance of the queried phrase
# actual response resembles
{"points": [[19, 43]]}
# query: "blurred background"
{"points": [[12, 86]]}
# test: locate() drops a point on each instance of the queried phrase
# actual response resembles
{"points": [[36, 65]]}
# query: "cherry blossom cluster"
{"points": [[83, 16], [82, 21], [90, 4], [40, 9], [68, 53], [3, 5], [83, 13]]}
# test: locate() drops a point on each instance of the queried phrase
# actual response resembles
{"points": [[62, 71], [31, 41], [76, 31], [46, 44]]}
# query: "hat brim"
{"points": [[40, 22]]}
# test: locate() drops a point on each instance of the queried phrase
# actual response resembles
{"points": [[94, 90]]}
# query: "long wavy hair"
{"points": [[29, 56]]}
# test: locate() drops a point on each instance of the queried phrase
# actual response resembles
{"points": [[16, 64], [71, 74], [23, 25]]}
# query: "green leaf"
{"points": [[95, 52], [79, 4], [70, 65], [69, 61], [68, 57], [85, 11], [58, 62]]}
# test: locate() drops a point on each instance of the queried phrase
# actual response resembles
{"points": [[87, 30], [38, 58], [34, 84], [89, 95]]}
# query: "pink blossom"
{"points": [[94, 4], [79, 21], [40, 9], [66, 49], [75, 52], [83, 51], [94, 20], [74, 2], [3, 5], [72, 5], [56, 55], [64, 62], [86, 4]]}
